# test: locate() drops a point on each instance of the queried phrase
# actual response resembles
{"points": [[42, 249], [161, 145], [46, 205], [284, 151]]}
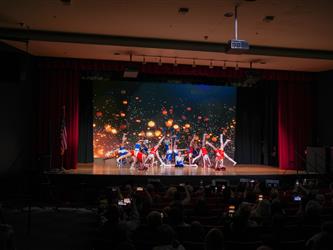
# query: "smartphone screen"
{"points": [[127, 200], [121, 203]]}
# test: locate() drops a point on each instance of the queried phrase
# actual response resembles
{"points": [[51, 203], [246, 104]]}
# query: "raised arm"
{"points": [[225, 143], [211, 145], [160, 141], [191, 143], [124, 138], [204, 140]]}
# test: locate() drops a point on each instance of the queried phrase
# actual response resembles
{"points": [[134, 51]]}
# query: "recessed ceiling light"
{"points": [[66, 2], [116, 54], [268, 19], [228, 14], [183, 10]]}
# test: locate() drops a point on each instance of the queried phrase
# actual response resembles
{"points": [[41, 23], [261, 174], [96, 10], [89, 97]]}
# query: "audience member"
{"points": [[214, 240]]}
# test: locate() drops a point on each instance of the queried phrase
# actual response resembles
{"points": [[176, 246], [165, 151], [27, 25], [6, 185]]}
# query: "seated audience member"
{"points": [[148, 232], [312, 213], [120, 223], [214, 240], [6, 237], [264, 247], [322, 240], [200, 208], [154, 220], [242, 222], [175, 216], [197, 232], [156, 198], [125, 246], [262, 213], [167, 239]]}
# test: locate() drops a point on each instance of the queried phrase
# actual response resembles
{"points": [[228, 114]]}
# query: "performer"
{"points": [[169, 152], [225, 154], [136, 155], [204, 153], [154, 151], [118, 152], [191, 150], [145, 147], [122, 151], [220, 154], [179, 161]]}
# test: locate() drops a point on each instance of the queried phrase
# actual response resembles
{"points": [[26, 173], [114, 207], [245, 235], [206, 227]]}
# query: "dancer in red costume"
{"points": [[220, 154], [150, 160], [204, 153]]}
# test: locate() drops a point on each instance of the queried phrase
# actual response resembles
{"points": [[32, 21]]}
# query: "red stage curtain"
{"points": [[58, 88], [295, 108]]}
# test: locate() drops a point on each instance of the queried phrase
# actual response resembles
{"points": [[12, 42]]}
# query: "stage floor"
{"points": [[110, 168]]}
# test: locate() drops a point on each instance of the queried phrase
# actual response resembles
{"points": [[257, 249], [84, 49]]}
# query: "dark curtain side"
{"points": [[295, 123], [86, 122], [256, 130], [58, 88]]}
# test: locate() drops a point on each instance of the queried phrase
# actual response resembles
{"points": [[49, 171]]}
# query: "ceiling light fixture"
{"points": [[211, 64], [175, 63], [237, 67], [160, 61], [183, 10], [144, 60], [193, 64], [224, 65]]}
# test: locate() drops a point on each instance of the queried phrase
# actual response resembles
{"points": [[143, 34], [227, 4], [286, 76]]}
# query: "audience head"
{"points": [[263, 247], [113, 214], [154, 219], [125, 246], [263, 209], [214, 240], [313, 208], [197, 231], [166, 235]]}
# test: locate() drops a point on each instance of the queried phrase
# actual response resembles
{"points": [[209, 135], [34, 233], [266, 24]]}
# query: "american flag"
{"points": [[63, 133]]}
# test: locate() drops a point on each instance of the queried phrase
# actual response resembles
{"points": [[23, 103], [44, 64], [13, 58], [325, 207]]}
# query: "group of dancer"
{"points": [[145, 156]]}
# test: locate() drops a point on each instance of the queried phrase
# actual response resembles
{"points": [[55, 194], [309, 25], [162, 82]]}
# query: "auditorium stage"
{"points": [[100, 174], [99, 167]]}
